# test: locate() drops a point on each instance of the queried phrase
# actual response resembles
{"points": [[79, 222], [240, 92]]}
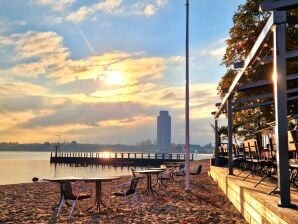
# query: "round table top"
{"points": [[149, 171], [86, 179]]}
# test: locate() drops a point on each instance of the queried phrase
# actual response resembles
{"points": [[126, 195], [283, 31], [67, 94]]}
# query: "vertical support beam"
{"points": [[216, 145], [187, 185], [280, 99], [230, 133]]}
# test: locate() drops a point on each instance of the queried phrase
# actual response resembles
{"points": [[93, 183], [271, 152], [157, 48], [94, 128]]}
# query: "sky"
{"points": [[98, 71]]}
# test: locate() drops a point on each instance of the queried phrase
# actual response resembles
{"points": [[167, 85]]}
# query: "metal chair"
{"points": [[166, 175], [68, 194], [197, 171], [126, 190]]}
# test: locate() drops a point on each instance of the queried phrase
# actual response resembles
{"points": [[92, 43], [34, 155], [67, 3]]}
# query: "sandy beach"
{"points": [[206, 203]]}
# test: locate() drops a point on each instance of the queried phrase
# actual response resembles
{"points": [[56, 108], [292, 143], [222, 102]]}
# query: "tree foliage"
{"points": [[248, 22]]}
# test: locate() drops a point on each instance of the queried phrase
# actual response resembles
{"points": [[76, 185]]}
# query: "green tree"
{"points": [[248, 22]]}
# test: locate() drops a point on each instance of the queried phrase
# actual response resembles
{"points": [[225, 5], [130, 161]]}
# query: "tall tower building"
{"points": [[164, 131]]}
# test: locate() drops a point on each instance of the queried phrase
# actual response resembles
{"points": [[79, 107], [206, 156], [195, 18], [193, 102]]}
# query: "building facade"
{"points": [[164, 132]]}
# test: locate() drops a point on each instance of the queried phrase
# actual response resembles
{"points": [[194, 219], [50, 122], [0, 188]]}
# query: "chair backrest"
{"points": [[66, 190], [133, 172], [291, 145], [199, 169], [133, 186]]}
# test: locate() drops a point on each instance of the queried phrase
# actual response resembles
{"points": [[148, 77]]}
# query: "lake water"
{"points": [[21, 167]]}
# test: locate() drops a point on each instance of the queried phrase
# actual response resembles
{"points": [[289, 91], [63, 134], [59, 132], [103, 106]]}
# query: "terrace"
{"points": [[254, 199]]}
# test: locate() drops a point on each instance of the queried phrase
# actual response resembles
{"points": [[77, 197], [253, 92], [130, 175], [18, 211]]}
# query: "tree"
{"points": [[248, 23]]}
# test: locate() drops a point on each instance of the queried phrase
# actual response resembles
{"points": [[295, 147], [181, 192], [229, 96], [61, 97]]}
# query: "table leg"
{"points": [[98, 199], [61, 196], [150, 185]]}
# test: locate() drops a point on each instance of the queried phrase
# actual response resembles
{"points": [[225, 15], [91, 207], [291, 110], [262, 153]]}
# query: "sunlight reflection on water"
{"points": [[21, 167]]}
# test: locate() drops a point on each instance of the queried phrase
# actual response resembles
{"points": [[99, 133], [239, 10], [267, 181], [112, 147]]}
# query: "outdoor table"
{"points": [[97, 180], [149, 180], [157, 168]]}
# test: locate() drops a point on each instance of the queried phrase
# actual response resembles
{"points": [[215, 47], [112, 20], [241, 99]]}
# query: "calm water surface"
{"points": [[20, 167]]}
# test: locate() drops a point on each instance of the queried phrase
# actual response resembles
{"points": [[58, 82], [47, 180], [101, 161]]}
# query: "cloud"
{"points": [[57, 5], [82, 13], [215, 50], [148, 8], [131, 122], [6, 25], [53, 20], [76, 98], [117, 7]]}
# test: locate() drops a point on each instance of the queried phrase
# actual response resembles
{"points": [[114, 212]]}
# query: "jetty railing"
{"points": [[118, 158]]}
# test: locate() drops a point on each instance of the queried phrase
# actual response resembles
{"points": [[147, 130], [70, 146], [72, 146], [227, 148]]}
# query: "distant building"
{"points": [[164, 131]]}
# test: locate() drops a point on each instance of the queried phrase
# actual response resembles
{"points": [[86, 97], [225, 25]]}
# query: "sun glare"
{"points": [[115, 78]]}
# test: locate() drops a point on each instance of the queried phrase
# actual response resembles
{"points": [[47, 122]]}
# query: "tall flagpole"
{"points": [[187, 188]]}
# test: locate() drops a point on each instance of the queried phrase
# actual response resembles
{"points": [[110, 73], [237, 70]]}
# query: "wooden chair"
{"points": [[69, 194]]}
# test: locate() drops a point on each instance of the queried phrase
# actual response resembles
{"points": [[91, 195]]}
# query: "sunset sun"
{"points": [[115, 78]]}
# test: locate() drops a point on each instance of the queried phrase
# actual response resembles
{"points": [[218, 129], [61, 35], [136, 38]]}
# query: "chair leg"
{"points": [[128, 202], [263, 178], [273, 191], [72, 209], [60, 207], [138, 201]]}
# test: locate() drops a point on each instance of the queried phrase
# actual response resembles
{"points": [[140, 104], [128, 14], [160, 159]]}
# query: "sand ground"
{"points": [[206, 203]]}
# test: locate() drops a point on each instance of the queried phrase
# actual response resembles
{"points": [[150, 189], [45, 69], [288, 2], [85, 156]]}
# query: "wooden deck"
{"points": [[254, 203]]}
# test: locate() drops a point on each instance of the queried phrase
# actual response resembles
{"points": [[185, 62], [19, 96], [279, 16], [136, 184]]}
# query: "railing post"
{"points": [[230, 139], [280, 99]]}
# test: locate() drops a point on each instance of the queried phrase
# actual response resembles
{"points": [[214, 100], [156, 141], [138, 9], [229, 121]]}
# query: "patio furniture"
{"points": [[126, 190], [267, 172], [97, 180], [69, 194], [135, 175], [166, 175], [98, 187], [181, 171], [148, 174], [197, 171]]}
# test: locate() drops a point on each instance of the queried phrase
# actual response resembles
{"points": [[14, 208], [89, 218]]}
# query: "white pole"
{"points": [[187, 188]]}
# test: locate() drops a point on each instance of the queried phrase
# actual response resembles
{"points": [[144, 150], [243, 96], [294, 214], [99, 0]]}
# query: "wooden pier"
{"points": [[117, 158]]}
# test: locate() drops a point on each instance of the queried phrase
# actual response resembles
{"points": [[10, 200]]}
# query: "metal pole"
{"points": [[187, 188], [230, 132], [280, 99], [216, 142]]}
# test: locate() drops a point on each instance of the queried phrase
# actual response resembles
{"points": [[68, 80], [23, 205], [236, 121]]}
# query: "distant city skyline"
{"points": [[99, 71]]}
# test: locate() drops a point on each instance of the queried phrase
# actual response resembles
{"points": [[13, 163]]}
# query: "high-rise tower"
{"points": [[164, 131]]}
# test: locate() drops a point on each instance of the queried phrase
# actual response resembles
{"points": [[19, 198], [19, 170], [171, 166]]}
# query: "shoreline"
{"points": [[206, 203]]}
